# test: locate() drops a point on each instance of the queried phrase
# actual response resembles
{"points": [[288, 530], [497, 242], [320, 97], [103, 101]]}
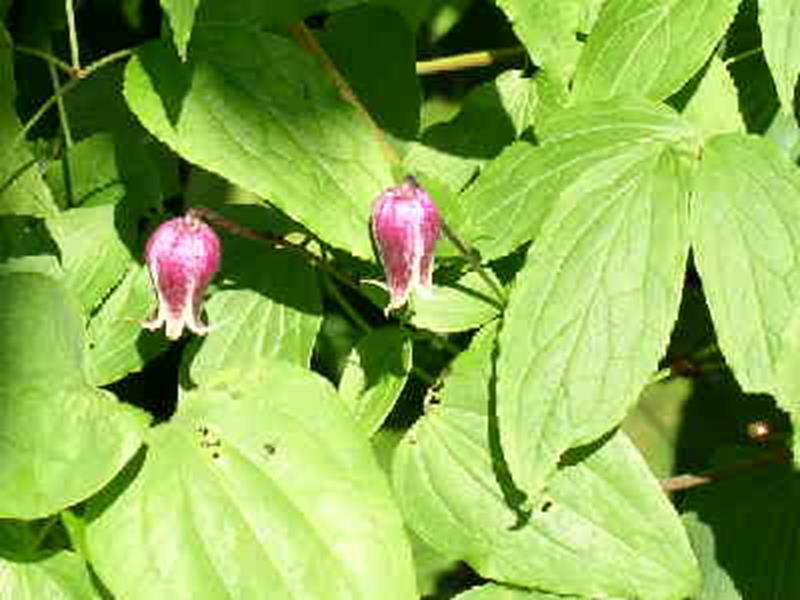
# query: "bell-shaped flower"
{"points": [[183, 255], [405, 227]]}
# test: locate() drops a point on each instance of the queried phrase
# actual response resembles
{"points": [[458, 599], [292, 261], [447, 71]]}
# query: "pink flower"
{"points": [[183, 255], [405, 227]]}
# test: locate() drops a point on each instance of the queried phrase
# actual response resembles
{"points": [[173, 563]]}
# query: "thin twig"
{"points": [[47, 57], [744, 55], [62, 111], [474, 259], [469, 60], [73, 36], [687, 481]]}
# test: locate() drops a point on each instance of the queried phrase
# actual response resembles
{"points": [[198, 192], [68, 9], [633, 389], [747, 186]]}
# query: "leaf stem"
{"points": [[688, 481], [475, 262], [66, 88], [62, 111], [744, 55], [345, 304], [47, 57], [73, 36], [469, 60]]}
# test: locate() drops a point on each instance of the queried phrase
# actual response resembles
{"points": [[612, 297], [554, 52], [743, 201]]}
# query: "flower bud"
{"points": [[183, 255], [405, 227]]}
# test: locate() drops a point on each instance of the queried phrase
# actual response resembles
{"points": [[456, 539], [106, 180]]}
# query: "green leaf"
{"points": [[374, 50], [714, 107], [266, 308], [510, 201], [118, 345], [413, 11], [22, 190], [375, 374], [261, 471], [656, 423], [601, 512], [785, 134], [780, 32], [491, 117], [181, 21], [79, 232], [26, 246], [649, 48], [62, 576], [274, 16], [593, 308], [744, 532], [493, 591], [746, 244], [547, 29], [465, 304], [257, 110], [62, 439]]}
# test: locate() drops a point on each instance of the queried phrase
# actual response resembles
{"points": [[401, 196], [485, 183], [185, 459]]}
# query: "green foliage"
{"points": [[274, 474], [614, 299]]}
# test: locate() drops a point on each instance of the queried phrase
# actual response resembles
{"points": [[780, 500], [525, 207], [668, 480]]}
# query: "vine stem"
{"points": [[688, 481], [47, 57], [744, 55], [66, 88], [62, 111], [73, 36], [469, 60]]}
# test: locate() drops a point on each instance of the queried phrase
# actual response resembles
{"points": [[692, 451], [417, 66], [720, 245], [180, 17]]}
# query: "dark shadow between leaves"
{"points": [[516, 499]]}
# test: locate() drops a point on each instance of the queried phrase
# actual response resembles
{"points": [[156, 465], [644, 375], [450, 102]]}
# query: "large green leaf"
{"points": [[649, 48], [257, 110], [780, 34], [22, 190], [62, 576], [602, 511], [268, 306], [374, 376], [80, 232], [181, 21], [746, 242], [511, 199], [744, 532], [61, 439], [592, 310], [118, 344], [259, 487]]}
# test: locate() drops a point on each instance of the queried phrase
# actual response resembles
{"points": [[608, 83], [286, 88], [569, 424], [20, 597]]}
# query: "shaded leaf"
{"points": [[22, 190], [374, 50], [181, 21], [79, 232], [374, 376], [118, 345], [260, 471], [744, 532]]}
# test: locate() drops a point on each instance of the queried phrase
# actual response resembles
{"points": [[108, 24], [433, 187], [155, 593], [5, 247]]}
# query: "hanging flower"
{"points": [[183, 255], [405, 227]]}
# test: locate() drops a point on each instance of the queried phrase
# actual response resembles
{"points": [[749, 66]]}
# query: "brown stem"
{"points": [[687, 481]]}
